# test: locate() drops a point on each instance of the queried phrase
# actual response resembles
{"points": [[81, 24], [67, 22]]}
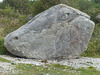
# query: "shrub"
{"points": [[48, 3], [22, 19], [80, 4], [3, 20], [85, 5], [93, 12], [23, 6], [73, 3], [2, 47], [37, 7], [97, 1], [11, 26], [8, 11]]}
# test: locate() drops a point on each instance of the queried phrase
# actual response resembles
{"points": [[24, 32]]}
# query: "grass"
{"points": [[89, 71], [53, 69], [4, 60]]}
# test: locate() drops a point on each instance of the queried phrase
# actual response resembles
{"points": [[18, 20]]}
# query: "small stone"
{"points": [[97, 18]]}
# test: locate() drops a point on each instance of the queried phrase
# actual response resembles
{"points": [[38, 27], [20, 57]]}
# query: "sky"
{"points": [[1, 0]]}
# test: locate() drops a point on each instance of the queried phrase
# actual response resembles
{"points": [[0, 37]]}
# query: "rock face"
{"points": [[59, 32]]}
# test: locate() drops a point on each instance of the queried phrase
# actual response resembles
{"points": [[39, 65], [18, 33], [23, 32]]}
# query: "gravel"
{"points": [[82, 62], [76, 63]]}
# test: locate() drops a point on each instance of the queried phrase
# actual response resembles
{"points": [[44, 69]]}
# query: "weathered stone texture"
{"points": [[59, 32]]}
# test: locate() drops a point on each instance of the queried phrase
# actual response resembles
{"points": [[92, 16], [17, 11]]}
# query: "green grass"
{"points": [[50, 69], [89, 71], [4, 60], [53, 69]]}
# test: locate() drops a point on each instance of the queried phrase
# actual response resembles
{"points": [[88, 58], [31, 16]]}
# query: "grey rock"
{"points": [[97, 18], [59, 32]]}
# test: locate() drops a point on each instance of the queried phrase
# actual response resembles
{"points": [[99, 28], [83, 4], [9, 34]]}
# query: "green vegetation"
{"points": [[2, 48], [53, 69], [89, 71], [4, 60]]}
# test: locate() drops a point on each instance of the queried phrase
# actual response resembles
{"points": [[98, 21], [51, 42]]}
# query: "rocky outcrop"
{"points": [[59, 32]]}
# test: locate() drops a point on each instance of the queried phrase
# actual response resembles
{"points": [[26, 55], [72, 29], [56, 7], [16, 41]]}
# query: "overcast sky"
{"points": [[1, 0]]}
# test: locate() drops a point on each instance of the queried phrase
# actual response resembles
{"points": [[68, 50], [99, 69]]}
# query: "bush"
{"points": [[85, 5], [80, 4], [22, 19], [36, 8], [2, 47], [23, 6], [11, 26], [73, 3], [49, 3], [8, 11], [97, 1], [93, 12]]}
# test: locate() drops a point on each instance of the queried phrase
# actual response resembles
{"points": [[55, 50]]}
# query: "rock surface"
{"points": [[59, 32], [98, 18]]}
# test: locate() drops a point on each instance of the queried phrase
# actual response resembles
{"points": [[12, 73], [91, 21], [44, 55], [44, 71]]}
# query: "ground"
{"points": [[10, 65]]}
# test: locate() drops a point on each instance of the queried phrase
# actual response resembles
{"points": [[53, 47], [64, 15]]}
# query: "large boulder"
{"points": [[59, 32]]}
